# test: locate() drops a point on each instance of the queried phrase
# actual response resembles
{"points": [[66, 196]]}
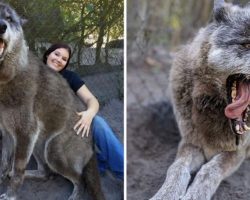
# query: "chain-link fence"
{"points": [[94, 31]]}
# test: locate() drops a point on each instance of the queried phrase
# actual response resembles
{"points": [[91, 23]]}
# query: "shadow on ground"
{"points": [[58, 188]]}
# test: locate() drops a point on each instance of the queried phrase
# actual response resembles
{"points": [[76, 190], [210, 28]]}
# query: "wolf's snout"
{"points": [[3, 27]]}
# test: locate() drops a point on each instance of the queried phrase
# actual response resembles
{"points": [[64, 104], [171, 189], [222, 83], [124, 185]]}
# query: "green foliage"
{"points": [[79, 23], [43, 20]]}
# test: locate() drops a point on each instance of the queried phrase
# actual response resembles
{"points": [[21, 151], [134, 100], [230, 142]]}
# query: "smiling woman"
{"points": [[58, 59], [110, 155], [57, 56]]}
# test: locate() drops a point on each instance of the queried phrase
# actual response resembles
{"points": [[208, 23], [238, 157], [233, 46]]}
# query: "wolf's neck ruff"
{"points": [[16, 57]]}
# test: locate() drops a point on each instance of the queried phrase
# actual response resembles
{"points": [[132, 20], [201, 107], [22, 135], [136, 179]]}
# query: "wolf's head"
{"points": [[228, 37], [11, 33]]}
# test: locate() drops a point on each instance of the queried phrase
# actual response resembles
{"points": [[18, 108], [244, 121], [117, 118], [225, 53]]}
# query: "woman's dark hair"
{"points": [[52, 48]]}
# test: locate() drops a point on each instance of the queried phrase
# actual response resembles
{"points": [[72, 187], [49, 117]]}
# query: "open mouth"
{"points": [[238, 94], [2, 47]]}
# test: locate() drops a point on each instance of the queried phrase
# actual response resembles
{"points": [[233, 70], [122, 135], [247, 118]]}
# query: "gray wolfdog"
{"points": [[210, 85], [38, 111]]}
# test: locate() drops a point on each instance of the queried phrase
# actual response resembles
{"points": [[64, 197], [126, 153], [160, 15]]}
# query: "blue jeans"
{"points": [[111, 150]]}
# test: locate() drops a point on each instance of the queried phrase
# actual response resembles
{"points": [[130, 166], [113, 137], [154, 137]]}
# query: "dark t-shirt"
{"points": [[74, 80]]}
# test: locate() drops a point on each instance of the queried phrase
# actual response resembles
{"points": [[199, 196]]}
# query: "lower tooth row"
{"points": [[246, 128], [239, 128]]}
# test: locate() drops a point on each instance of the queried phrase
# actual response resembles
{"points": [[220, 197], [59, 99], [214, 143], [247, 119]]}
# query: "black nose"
{"points": [[3, 27]]}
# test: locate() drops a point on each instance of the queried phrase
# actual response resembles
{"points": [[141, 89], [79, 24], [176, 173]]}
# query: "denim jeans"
{"points": [[110, 155]]}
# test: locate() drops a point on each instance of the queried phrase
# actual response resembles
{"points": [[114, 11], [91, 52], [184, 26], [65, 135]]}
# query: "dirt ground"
{"points": [[58, 188], [153, 137]]}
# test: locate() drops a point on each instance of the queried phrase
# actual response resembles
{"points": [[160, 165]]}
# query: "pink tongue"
{"points": [[235, 109], [2, 44]]}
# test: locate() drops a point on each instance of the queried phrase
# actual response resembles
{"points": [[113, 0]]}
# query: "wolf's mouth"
{"points": [[2, 47], [238, 92]]}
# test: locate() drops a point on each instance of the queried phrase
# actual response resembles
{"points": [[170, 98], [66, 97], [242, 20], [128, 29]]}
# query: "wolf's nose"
{"points": [[3, 27]]}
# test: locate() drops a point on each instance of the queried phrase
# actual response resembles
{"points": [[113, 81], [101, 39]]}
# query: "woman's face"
{"points": [[57, 59]]}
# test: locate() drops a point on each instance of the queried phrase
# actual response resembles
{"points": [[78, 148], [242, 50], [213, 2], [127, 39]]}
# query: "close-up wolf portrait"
{"points": [[61, 133], [200, 133]]}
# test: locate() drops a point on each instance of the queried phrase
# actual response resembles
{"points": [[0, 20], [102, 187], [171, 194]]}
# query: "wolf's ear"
{"points": [[23, 21], [220, 11]]}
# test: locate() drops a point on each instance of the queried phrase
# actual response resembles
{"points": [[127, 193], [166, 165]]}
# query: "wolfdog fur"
{"points": [[38, 112], [211, 119]]}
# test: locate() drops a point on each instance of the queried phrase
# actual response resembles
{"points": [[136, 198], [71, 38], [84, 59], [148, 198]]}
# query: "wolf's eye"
{"points": [[247, 45], [9, 19]]}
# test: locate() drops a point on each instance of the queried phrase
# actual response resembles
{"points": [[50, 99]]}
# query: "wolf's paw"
{"points": [[6, 197]]}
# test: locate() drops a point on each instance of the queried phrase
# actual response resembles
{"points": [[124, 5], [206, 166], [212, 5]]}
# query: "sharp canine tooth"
{"points": [[237, 127], [234, 84], [233, 93]]}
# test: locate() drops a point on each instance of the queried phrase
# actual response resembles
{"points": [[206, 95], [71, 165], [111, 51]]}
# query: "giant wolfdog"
{"points": [[38, 110], [210, 84]]}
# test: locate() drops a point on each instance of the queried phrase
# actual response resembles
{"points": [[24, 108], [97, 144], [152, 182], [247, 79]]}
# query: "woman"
{"points": [[57, 57]]}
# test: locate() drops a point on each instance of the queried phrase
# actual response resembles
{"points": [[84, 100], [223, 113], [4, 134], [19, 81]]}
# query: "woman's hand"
{"points": [[83, 125]]}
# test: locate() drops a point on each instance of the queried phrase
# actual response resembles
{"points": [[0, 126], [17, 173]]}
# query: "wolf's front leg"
{"points": [[212, 173], [24, 144], [189, 158], [7, 154]]}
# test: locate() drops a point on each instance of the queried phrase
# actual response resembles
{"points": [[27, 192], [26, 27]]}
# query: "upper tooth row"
{"points": [[233, 91]]}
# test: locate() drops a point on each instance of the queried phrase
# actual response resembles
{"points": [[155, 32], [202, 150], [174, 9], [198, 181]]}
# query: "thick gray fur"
{"points": [[38, 113], [198, 84]]}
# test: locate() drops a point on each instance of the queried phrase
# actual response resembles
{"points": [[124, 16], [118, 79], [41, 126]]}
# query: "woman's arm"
{"points": [[83, 125], [89, 99]]}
